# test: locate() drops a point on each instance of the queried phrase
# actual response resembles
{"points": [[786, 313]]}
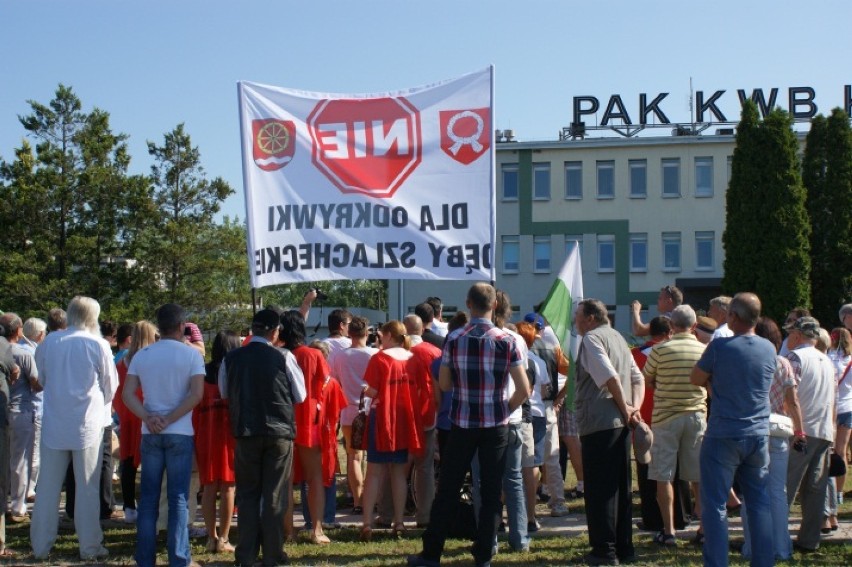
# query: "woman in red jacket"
{"points": [[394, 430]]}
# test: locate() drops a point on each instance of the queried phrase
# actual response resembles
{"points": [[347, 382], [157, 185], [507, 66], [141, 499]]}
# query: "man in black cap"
{"points": [[262, 383]]}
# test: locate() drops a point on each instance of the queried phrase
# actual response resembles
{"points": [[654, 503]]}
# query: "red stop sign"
{"points": [[367, 146]]}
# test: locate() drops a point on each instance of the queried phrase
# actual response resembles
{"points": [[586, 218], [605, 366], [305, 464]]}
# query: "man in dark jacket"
{"points": [[262, 383]]}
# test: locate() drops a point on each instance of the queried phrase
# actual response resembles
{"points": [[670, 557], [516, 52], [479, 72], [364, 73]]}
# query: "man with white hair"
{"points": [[845, 315], [79, 378], [679, 418], [35, 330], [718, 311], [807, 472]]}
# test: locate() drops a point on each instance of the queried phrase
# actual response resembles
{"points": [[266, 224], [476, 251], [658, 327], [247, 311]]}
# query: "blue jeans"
{"points": [[513, 491], [779, 455], [721, 460], [171, 455], [329, 513]]}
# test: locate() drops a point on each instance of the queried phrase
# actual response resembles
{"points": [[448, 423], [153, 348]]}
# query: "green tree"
{"points": [[827, 175], [369, 294], [186, 203], [767, 229]]}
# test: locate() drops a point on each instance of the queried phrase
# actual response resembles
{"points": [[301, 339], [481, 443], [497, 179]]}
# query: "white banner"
{"points": [[370, 186]]}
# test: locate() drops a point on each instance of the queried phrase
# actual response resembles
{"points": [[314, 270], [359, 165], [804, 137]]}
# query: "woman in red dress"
{"points": [[130, 426], [394, 430], [307, 465], [214, 449]]}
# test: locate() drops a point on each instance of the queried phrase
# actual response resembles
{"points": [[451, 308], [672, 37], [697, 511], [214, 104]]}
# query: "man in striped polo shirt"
{"points": [[679, 415]]}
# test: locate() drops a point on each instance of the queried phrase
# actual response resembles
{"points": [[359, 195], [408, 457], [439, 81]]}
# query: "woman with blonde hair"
{"points": [[393, 429], [143, 333], [840, 354]]}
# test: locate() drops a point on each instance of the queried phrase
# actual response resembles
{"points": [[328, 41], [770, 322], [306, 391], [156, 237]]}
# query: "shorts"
{"points": [[568, 423], [677, 441], [845, 419], [528, 450]]}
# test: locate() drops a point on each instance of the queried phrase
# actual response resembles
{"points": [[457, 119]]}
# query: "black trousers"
{"points": [[489, 444], [651, 517], [606, 471], [106, 496], [262, 467]]}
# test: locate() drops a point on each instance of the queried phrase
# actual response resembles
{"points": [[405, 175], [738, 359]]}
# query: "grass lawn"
{"points": [[345, 548]]}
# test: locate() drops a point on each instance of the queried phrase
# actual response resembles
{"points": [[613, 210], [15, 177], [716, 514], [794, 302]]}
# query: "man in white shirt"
{"points": [[718, 311], [338, 331], [171, 374], [76, 370]]}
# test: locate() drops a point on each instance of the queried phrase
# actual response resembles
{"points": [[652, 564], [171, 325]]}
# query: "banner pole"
{"points": [[253, 301]]}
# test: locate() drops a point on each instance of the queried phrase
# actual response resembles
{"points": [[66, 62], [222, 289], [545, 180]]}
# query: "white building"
{"points": [[645, 211]]}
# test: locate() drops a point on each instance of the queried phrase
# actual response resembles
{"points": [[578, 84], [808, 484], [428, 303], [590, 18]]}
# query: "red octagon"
{"points": [[367, 146]]}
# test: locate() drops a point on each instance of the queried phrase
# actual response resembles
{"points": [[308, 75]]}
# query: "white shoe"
{"points": [[130, 516], [559, 511], [99, 555]]}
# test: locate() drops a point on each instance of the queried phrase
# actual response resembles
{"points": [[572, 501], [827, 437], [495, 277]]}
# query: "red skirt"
{"points": [[214, 441]]}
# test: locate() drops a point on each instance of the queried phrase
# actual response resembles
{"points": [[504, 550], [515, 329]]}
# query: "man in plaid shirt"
{"points": [[478, 362]]}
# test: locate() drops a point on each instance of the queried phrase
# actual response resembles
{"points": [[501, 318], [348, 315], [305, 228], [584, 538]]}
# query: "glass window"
{"points": [[574, 241], [541, 181], [510, 181], [541, 254], [704, 177], [511, 254], [639, 252], [606, 253], [704, 242], [671, 251], [606, 180], [671, 177], [573, 180], [638, 178]]}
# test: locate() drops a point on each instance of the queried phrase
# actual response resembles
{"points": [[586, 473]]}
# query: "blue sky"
{"points": [[154, 64]]}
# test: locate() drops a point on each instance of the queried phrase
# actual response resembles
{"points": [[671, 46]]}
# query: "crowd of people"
{"points": [[720, 411]]}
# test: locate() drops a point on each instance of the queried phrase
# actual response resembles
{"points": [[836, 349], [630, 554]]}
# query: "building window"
{"points": [[574, 241], [606, 253], [511, 254], [606, 180], [704, 243], [573, 180], [671, 177], [639, 252], [671, 251], [510, 181], [541, 254], [704, 177], [541, 181], [638, 178]]}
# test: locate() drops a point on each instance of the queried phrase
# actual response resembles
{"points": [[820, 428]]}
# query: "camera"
{"points": [[320, 295]]}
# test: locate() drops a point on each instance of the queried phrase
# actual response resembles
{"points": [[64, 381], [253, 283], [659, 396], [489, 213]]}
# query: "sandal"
{"points": [[398, 530], [665, 540], [7, 553], [224, 546], [320, 539], [212, 545], [366, 534]]}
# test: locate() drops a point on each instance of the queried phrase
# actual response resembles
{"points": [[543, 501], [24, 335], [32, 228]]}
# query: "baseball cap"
{"points": [[808, 326], [535, 319], [265, 319], [643, 438]]}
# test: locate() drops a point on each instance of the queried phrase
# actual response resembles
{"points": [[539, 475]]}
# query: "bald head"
{"points": [[413, 324], [746, 307]]}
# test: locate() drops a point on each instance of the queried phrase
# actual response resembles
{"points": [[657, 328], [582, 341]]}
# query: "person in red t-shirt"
{"points": [[394, 425]]}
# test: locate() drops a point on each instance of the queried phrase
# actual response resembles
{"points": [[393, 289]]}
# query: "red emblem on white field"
{"points": [[465, 134], [274, 143], [367, 146]]}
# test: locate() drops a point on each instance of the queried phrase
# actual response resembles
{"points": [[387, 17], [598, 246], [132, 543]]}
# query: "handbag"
{"points": [[780, 426], [359, 425]]}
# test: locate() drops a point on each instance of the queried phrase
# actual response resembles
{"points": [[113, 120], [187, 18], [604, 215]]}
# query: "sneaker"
{"points": [[559, 511], [665, 540], [99, 555], [533, 527], [130, 516], [574, 494], [197, 532]]}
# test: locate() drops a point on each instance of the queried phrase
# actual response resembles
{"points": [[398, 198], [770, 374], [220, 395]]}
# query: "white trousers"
{"points": [[552, 469], [87, 474]]}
